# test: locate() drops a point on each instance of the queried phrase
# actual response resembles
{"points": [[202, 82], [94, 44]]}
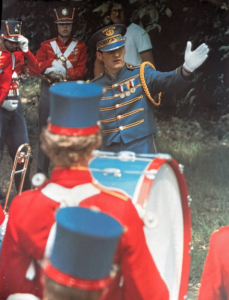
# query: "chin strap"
{"points": [[144, 85]]}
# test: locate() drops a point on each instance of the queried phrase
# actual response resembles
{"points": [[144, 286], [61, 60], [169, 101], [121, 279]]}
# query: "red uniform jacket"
{"points": [[31, 217], [45, 56], [215, 277], [6, 65], [32, 63], [5, 74]]}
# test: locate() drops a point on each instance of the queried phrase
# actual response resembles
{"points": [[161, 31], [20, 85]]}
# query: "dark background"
{"points": [[170, 23]]}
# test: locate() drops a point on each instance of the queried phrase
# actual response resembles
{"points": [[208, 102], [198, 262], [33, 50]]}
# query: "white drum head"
{"points": [[164, 233]]}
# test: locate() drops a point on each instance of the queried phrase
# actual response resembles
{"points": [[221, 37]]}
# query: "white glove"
{"points": [[22, 297], [49, 70], [3, 227], [10, 104], [23, 43], [194, 59], [57, 64], [14, 75]]}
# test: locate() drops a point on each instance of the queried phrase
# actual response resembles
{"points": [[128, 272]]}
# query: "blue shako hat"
{"points": [[84, 248], [74, 108], [11, 30], [109, 38]]}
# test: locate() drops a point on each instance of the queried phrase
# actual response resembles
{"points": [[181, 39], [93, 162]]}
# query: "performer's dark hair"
{"points": [[56, 291], [65, 151], [126, 8]]}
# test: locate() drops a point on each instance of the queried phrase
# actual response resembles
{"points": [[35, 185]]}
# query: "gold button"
{"points": [[118, 117], [117, 106], [116, 95], [120, 128]]}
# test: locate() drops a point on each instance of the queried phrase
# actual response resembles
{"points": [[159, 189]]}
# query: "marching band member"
{"points": [[80, 265], [13, 129], [61, 58], [126, 115], [138, 44], [71, 135], [76, 268]]}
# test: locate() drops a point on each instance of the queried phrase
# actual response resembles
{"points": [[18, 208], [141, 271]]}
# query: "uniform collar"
{"points": [[61, 43], [71, 177], [118, 75]]}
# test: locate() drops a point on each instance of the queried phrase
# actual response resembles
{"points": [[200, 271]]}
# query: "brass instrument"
{"points": [[20, 157]]}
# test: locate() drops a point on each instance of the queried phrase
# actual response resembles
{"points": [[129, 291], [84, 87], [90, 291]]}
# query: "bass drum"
{"points": [[157, 187]]}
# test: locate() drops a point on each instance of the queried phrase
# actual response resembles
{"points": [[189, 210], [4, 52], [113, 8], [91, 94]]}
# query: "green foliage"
{"points": [[170, 23], [203, 159]]}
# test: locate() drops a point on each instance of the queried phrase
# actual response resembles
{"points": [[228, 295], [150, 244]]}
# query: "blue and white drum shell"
{"points": [[157, 187]]}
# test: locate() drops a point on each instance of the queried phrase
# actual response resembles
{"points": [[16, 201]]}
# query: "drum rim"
{"points": [[143, 197]]}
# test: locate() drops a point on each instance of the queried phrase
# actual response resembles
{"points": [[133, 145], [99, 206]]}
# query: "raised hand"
{"points": [[23, 43], [194, 59]]}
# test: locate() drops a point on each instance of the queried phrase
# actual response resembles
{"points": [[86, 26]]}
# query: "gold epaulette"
{"points": [[98, 77], [87, 81], [132, 67], [144, 85], [109, 192]]}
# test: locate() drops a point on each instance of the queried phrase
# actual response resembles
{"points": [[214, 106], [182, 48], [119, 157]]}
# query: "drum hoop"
{"points": [[142, 199]]}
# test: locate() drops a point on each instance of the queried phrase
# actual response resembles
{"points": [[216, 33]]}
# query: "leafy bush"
{"points": [[170, 23]]}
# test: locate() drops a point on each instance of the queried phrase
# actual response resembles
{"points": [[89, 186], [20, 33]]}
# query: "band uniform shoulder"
{"points": [[132, 67], [76, 40], [48, 41], [97, 78]]}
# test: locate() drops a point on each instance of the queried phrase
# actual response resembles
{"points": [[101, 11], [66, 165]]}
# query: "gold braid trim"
{"points": [[123, 127], [144, 85], [121, 104], [121, 82], [122, 116]]}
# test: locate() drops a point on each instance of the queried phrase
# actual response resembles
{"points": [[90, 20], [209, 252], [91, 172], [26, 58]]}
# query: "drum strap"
{"points": [[120, 196], [13, 61], [69, 197]]}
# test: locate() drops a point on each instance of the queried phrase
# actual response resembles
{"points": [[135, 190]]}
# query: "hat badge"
{"points": [[16, 28], [64, 12], [109, 32]]}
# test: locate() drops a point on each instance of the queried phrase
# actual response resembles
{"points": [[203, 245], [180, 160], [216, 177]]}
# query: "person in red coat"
{"points": [[215, 277], [5, 72], [71, 135], [60, 59], [14, 50], [76, 269]]}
